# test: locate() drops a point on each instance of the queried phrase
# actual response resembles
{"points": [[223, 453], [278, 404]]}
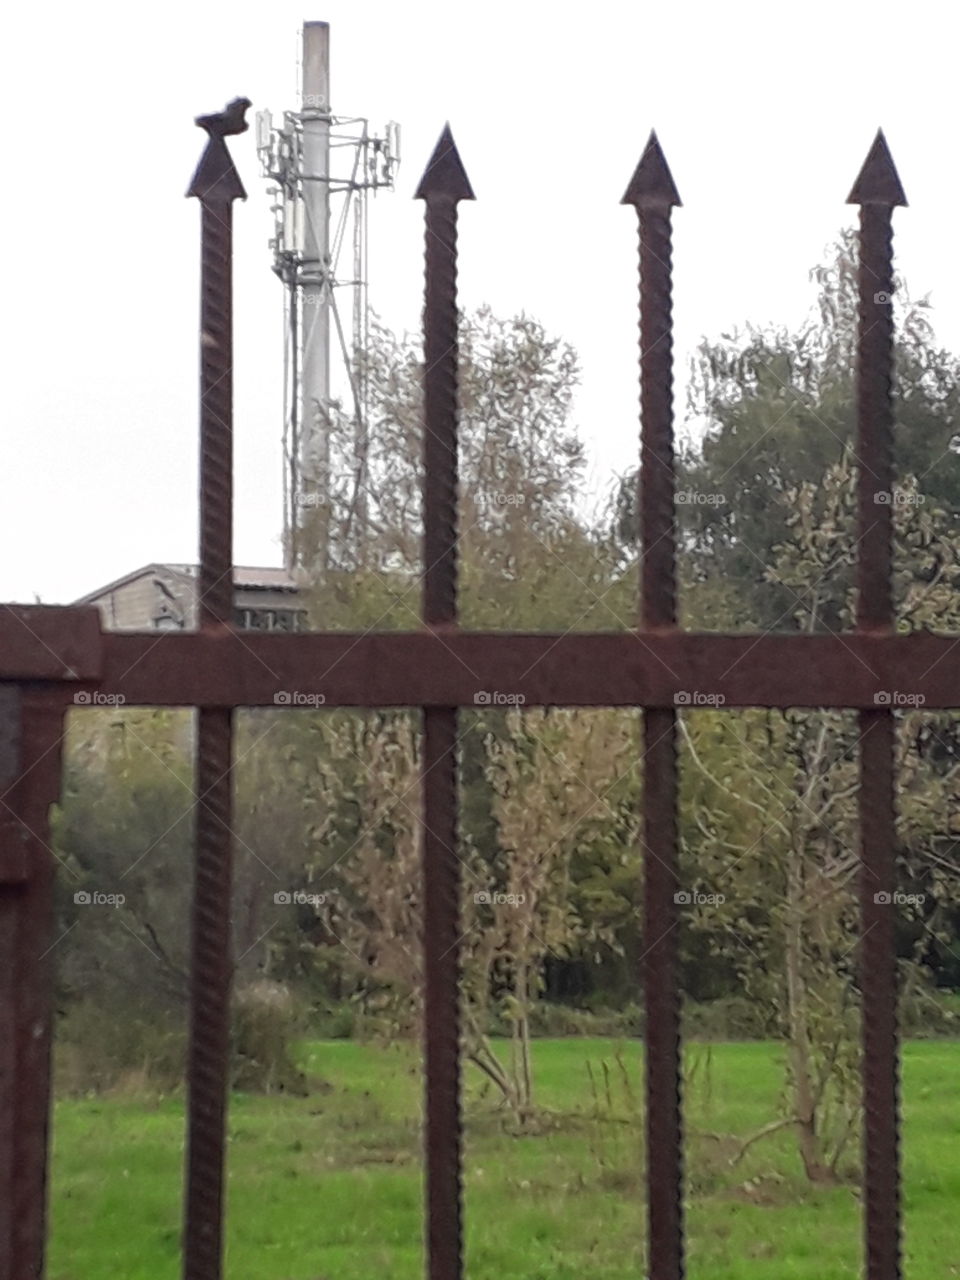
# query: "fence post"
{"points": [[216, 184], [443, 185], [653, 193], [31, 732], [877, 191]]}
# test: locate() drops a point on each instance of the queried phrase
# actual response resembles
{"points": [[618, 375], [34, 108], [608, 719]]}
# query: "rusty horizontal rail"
{"points": [[615, 669], [50, 642]]}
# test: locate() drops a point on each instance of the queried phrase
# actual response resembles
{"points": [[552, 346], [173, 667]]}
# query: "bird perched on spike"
{"points": [[226, 122]]}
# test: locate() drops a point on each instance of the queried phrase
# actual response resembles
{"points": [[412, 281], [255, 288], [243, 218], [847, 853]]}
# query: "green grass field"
{"points": [[329, 1187]]}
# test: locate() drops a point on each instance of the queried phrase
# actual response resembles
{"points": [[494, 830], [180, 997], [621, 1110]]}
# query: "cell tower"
{"points": [[322, 168]]}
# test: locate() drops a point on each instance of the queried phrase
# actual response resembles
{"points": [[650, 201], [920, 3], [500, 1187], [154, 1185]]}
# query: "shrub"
{"points": [[334, 1022], [928, 1014], [97, 1048], [265, 1026], [729, 1018]]}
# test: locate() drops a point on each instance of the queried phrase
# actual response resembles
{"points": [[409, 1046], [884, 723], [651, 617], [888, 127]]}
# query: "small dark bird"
{"points": [[228, 121]]}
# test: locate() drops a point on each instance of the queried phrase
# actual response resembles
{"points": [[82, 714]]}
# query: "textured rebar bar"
{"points": [[877, 191], [441, 943], [444, 183], [217, 185], [13, 873], [653, 193], [662, 1001], [26, 982], [657, 487], [216, 415], [878, 984], [440, 416], [875, 487], [210, 974]]}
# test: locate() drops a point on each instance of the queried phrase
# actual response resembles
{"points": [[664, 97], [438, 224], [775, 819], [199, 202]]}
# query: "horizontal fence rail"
{"points": [[603, 669], [53, 659]]}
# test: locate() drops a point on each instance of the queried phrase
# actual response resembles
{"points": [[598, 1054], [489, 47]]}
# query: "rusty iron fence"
{"points": [[50, 654]]}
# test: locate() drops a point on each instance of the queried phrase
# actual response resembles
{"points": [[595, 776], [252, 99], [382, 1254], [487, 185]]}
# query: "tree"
{"points": [[772, 823], [773, 409], [528, 561]]}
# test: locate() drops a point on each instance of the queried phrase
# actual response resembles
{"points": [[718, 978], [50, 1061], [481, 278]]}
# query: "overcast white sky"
{"points": [[765, 113]]}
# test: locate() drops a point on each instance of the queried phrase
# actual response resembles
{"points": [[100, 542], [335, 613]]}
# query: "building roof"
{"points": [[252, 578]]}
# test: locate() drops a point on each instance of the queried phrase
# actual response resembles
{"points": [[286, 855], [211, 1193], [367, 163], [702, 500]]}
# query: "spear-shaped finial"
{"points": [[878, 181], [652, 184], [445, 175]]}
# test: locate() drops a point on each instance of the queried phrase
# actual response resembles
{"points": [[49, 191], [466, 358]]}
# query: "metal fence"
{"points": [[49, 654]]}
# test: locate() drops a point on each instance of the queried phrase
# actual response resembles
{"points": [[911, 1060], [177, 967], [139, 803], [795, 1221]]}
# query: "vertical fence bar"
{"points": [[442, 186], [13, 873], [653, 193], [31, 729], [877, 191], [216, 184]]}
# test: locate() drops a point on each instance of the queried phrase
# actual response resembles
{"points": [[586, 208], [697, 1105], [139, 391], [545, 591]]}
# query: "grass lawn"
{"points": [[329, 1187]]}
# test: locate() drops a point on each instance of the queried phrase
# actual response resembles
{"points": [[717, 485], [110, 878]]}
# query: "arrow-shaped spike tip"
{"points": [[878, 181], [216, 178], [445, 174], [652, 183]]}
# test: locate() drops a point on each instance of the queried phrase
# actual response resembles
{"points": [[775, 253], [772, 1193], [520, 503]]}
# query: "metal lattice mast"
{"points": [[322, 167]]}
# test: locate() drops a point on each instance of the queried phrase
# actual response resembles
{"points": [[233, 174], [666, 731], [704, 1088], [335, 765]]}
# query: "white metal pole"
{"points": [[314, 462]]}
